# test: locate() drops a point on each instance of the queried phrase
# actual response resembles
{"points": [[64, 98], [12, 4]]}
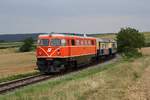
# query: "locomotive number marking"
{"points": [[49, 50]]}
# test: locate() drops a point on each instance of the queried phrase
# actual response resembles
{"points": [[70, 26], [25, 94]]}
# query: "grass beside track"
{"points": [[100, 82], [18, 76]]}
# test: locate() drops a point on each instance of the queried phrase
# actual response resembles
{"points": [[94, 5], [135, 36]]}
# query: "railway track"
{"points": [[9, 86], [12, 85]]}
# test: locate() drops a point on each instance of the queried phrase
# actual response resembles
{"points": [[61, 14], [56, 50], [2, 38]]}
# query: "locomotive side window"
{"points": [[55, 42], [63, 42], [43, 42], [77, 42]]}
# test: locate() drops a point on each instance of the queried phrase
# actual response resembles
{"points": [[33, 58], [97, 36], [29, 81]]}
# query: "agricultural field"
{"points": [[13, 63]]}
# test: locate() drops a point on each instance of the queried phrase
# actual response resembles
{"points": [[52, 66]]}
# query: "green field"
{"points": [[4, 45]]}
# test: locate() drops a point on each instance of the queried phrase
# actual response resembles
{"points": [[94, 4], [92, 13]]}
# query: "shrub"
{"points": [[27, 45], [129, 40]]}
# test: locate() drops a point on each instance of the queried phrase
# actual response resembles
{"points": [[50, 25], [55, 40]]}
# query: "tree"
{"points": [[129, 40], [27, 45]]}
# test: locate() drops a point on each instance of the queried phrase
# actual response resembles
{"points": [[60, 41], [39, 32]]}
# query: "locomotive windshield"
{"points": [[58, 42], [43, 42]]}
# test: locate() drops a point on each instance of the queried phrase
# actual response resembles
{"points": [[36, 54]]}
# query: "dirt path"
{"points": [[141, 89]]}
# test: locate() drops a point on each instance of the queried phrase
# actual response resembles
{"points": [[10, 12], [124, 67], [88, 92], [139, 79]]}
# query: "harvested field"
{"points": [[12, 63], [145, 51]]}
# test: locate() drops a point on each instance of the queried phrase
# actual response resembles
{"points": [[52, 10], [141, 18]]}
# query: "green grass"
{"points": [[101, 82], [4, 45]]}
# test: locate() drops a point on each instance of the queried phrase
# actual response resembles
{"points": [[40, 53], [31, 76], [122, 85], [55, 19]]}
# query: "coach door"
{"points": [[71, 44], [72, 49]]}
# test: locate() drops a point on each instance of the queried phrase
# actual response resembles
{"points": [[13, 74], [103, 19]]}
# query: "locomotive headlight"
{"points": [[40, 53], [58, 52]]}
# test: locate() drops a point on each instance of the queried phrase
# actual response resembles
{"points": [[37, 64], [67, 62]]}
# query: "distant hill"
{"points": [[17, 37]]}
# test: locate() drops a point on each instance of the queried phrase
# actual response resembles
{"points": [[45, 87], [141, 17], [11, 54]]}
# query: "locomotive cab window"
{"points": [[58, 42], [55, 42], [43, 42]]}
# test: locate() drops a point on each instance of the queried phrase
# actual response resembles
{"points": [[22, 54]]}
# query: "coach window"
{"points": [[85, 42], [82, 42], [72, 42], [89, 42], [103, 46], [113, 45]]}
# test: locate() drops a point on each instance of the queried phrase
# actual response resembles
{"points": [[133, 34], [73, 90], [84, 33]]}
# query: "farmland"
{"points": [[13, 63]]}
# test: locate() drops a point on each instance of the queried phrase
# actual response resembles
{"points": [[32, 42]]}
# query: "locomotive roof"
{"points": [[77, 35], [63, 35]]}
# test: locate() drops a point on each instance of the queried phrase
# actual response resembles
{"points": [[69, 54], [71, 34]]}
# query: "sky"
{"points": [[81, 16]]}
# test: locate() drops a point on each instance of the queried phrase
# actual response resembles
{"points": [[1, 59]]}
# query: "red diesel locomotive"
{"points": [[58, 52]]}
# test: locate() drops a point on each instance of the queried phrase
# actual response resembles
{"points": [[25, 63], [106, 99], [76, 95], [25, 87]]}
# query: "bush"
{"points": [[27, 45], [1, 41], [129, 40]]}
